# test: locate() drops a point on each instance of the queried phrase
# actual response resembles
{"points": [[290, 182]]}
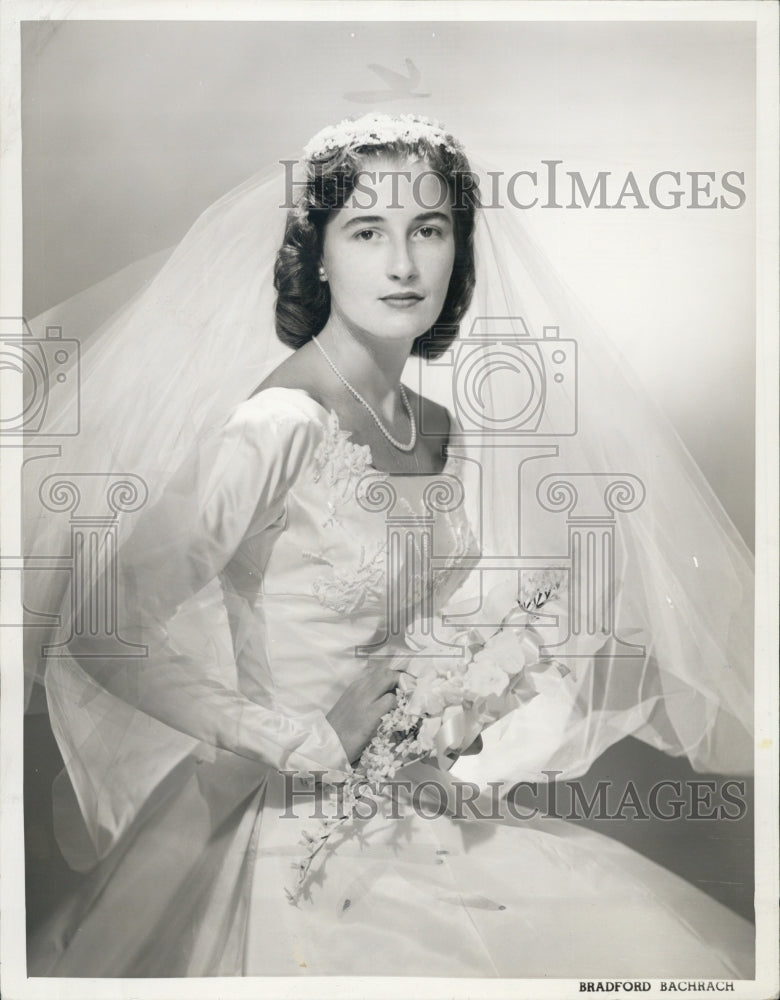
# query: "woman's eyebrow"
{"points": [[363, 220], [372, 220], [432, 217]]}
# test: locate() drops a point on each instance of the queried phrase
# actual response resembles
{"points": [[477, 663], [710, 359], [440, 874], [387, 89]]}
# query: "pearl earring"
{"points": [[323, 276]]}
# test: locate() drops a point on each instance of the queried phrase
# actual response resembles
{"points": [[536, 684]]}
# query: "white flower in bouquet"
{"points": [[429, 729], [433, 692], [483, 678], [504, 650]]}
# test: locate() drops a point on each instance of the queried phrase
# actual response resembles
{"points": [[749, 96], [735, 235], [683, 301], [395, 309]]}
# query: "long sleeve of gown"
{"points": [[237, 483]]}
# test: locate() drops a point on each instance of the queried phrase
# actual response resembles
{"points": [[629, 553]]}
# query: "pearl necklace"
{"points": [[393, 441]]}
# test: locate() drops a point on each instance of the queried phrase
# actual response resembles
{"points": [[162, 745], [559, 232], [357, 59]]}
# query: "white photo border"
{"points": [[15, 984]]}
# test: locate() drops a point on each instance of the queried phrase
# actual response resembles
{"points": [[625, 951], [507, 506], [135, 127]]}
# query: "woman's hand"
{"points": [[356, 714]]}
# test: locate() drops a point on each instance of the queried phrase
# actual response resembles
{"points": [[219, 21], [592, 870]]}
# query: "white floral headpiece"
{"points": [[375, 129]]}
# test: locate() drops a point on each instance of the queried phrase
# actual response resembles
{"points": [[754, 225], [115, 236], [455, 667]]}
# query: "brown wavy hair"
{"points": [[303, 301]]}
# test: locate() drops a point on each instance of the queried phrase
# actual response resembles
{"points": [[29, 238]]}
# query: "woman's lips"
{"points": [[402, 300]]}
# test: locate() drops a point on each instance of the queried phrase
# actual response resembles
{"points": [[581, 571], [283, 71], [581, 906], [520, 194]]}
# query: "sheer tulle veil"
{"points": [[575, 469]]}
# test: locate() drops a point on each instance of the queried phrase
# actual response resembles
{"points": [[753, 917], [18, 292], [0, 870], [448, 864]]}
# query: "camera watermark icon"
{"points": [[41, 363], [505, 382]]}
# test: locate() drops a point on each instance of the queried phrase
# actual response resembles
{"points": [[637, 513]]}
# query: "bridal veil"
{"points": [[577, 471]]}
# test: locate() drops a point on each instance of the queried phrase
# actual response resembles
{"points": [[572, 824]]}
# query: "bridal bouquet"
{"points": [[444, 702]]}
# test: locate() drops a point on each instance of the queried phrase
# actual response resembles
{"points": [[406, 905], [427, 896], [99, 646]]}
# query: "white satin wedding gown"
{"points": [[193, 861]]}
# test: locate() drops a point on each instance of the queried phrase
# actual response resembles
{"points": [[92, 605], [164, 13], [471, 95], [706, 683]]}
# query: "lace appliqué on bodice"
{"points": [[345, 470], [347, 591], [339, 462]]}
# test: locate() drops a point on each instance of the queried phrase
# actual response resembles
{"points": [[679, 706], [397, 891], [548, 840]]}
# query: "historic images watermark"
{"points": [[541, 403], [305, 797], [549, 185], [536, 405]]}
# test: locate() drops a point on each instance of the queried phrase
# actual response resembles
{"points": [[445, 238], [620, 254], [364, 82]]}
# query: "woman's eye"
{"points": [[365, 235], [428, 232]]}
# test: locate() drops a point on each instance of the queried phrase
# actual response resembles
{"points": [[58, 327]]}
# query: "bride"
{"points": [[258, 596]]}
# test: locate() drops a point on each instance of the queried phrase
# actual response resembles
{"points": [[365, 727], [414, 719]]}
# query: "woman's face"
{"points": [[388, 253]]}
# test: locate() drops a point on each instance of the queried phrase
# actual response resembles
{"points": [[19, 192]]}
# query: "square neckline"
{"points": [[449, 456]]}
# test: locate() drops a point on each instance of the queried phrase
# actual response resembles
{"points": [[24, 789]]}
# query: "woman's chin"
{"points": [[394, 333], [405, 326]]}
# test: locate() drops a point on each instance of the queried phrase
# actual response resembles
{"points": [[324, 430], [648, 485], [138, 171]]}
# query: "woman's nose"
{"points": [[401, 264]]}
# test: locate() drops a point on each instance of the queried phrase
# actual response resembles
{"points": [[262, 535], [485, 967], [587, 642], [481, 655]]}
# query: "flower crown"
{"points": [[375, 129]]}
